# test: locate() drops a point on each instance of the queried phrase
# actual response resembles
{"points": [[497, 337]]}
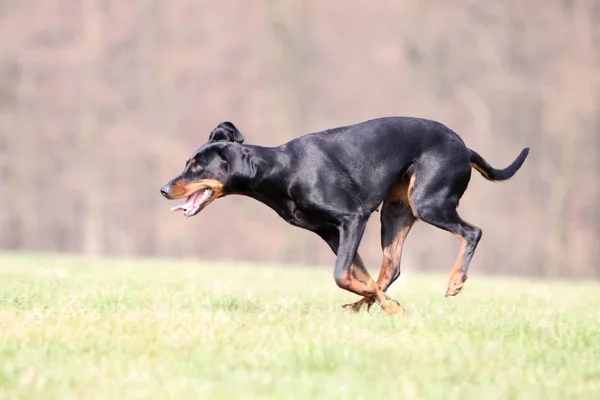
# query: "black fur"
{"points": [[330, 182], [226, 131]]}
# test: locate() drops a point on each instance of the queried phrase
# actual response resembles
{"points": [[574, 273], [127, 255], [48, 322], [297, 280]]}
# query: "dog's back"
{"points": [[375, 154]]}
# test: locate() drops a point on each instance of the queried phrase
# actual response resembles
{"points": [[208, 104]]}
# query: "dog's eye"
{"points": [[196, 168]]}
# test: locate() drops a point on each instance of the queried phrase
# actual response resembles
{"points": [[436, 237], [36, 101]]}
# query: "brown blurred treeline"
{"points": [[101, 102]]}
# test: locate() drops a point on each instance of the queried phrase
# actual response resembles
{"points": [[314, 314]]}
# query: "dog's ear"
{"points": [[226, 131]]}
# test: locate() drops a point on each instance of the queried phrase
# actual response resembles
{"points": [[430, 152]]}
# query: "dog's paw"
{"points": [[455, 284], [357, 306], [392, 307]]}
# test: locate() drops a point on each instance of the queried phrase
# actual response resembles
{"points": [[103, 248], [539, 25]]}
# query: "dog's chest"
{"points": [[297, 216], [303, 217]]}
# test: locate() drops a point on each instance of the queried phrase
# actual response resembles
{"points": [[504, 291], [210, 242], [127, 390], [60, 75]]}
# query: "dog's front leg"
{"points": [[360, 272], [346, 277]]}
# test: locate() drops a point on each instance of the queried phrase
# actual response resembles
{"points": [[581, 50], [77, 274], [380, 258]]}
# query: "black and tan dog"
{"points": [[330, 182]]}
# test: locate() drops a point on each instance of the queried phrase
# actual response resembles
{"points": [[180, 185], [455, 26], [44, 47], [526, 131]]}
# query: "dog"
{"points": [[330, 182]]}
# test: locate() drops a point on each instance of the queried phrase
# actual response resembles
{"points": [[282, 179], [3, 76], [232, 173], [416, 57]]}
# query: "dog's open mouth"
{"points": [[195, 202]]}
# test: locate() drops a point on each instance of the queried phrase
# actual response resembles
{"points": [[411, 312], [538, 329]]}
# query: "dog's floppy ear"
{"points": [[226, 131]]}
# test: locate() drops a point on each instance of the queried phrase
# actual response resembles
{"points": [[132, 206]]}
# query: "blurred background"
{"points": [[102, 101]]}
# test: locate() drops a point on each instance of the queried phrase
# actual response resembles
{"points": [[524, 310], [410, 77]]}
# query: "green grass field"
{"points": [[72, 328]]}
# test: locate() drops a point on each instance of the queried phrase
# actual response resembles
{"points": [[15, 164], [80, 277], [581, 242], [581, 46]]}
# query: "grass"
{"points": [[75, 328]]}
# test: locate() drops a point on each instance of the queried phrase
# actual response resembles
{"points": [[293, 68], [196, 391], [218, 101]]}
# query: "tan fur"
{"points": [[480, 170], [180, 189]]}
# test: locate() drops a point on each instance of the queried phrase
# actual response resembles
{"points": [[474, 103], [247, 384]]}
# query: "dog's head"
{"points": [[205, 177]]}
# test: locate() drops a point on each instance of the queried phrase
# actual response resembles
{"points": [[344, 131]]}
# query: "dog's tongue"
{"points": [[189, 203], [181, 207]]}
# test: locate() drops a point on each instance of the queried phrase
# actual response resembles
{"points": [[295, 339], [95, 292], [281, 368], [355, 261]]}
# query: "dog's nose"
{"points": [[164, 191]]}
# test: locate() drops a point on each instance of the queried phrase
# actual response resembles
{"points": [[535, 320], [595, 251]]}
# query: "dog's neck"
{"points": [[257, 170], [252, 166]]}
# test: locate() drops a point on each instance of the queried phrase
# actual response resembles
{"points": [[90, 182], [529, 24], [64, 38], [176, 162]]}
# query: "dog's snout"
{"points": [[165, 191]]}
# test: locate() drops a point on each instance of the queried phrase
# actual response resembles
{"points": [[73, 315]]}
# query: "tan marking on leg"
{"points": [[457, 278], [401, 192], [361, 273], [387, 268], [392, 255], [352, 282]]}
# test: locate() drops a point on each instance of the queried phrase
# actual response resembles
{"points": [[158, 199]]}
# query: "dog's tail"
{"points": [[493, 174]]}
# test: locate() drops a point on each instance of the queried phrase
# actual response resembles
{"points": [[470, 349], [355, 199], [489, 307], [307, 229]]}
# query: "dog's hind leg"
{"points": [[396, 221], [434, 199], [469, 237]]}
